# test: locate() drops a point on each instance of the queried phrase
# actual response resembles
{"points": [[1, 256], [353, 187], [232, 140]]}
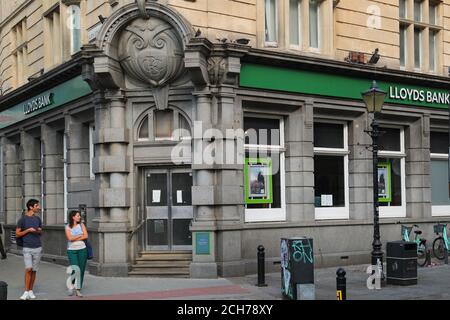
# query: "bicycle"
{"points": [[421, 243], [442, 242]]}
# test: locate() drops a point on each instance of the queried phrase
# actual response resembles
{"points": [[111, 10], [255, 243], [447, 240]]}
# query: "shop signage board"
{"points": [[56, 97], [338, 86]]}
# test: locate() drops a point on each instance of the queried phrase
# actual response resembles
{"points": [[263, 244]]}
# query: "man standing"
{"points": [[2, 249], [29, 227]]}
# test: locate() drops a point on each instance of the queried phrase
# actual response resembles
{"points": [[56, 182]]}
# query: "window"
{"points": [[422, 34], [91, 151], [402, 9], [19, 34], [391, 173], [417, 10], [53, 38], [439, 144], [403, 46], [294, 22], [271, 22], [164, 125], [264, 169], [432, 47], [433, 13], [417, 48], [75, 28], [331, 196], [314, 24]]}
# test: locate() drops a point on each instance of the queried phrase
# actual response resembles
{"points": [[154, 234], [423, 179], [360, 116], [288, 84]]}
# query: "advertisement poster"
{"points": [[384, 182], [258, 180]]}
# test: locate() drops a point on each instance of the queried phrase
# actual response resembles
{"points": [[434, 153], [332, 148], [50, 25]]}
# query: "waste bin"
{"points": [[3, 290], [401, 263], [297, 268]]}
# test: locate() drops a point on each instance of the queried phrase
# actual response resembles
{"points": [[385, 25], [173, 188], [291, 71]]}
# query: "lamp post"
{"points": [[374, 99]]}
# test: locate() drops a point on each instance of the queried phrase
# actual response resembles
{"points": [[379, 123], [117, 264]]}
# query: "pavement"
{"points": [[433, 284]]}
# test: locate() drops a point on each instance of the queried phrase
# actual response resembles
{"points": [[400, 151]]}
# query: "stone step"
{"points": [[162, 273], [165, 258], [161, 264]]}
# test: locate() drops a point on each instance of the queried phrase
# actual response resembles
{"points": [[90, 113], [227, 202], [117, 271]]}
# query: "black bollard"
{"points": [[3, 290], [341, 284], [428, 257], [261, 270], [445, 256]]}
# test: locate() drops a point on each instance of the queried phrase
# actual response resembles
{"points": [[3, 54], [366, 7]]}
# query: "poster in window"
{"points": [[258, 180], [384, 182]]}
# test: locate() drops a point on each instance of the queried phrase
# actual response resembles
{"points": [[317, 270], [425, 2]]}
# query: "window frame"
{"points": [[272, 44], [396, 211], [336, 213], [300, 26], [319, 25], [438, 210], [252, 215]]}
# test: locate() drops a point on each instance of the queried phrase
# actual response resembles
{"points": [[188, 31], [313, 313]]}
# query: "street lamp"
{"points": [[374, 99]]}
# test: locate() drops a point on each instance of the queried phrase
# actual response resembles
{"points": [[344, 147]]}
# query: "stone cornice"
{"points": [[294, 61], [14, 13]]}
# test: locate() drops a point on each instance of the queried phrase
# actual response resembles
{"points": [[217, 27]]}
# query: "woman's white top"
{"points": [[75, 231]]}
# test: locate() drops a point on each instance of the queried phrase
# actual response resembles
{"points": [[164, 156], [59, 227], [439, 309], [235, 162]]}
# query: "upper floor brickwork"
{"points": [[37, 35]]}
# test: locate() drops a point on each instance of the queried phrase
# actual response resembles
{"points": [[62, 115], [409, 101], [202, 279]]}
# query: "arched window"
{"points": [[159, 125]]}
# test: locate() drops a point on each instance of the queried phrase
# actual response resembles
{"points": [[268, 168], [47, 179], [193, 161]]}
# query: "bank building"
{"points": [[121, 109]]}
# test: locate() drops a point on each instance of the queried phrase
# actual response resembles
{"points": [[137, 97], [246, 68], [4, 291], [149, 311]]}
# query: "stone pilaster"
{"points": [[13, 181], [78, 166], [218, 176], [112, 166], [53, 175], [418, 185], [300, 164], [31, 169], [360, 170]]}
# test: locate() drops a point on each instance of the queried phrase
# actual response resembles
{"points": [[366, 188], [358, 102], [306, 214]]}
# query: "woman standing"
{"points": [[77, 252]]}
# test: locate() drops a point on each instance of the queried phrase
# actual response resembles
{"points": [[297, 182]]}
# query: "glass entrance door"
{"points": [[168, 206]]}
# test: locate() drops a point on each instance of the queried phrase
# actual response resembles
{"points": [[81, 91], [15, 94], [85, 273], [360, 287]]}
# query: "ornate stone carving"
{"points": [[151, 52], [216, 69]]}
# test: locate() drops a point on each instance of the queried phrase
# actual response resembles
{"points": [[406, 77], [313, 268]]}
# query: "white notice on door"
{"points": [[326, 200], [179, 196], [156, 198]]}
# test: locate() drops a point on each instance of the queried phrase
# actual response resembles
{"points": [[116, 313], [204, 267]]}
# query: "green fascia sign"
{"points": [[338, 86], [57, 96]]}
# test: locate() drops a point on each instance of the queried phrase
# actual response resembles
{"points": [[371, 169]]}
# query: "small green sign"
{"points": [[384, 182], [202, 243], [258, 180]]}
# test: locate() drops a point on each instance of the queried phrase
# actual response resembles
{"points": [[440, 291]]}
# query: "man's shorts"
{"points": [[32, 257]]}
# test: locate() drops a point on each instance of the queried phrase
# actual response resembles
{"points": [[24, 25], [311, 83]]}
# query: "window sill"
{"points": [[440, 211], [265, 215], [332, 213]]}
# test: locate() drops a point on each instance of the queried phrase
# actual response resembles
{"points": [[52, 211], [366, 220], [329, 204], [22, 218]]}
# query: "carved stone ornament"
{"points": [[216, 69], [151, 52]]}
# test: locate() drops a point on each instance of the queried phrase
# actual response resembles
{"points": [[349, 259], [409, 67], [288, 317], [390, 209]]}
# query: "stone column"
{"points": [[78, 166], [418, 186], [230, 183], [32, 169], [13, 181], [53, 175], [111, 166], [300, 164], [360, 170], [204, 224]]}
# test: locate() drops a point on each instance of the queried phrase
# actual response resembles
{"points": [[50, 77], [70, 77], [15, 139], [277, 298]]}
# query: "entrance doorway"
{"points": [[168, 209]]}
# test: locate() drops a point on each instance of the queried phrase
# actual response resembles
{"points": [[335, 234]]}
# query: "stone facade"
{"points": [[187, 57]]}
